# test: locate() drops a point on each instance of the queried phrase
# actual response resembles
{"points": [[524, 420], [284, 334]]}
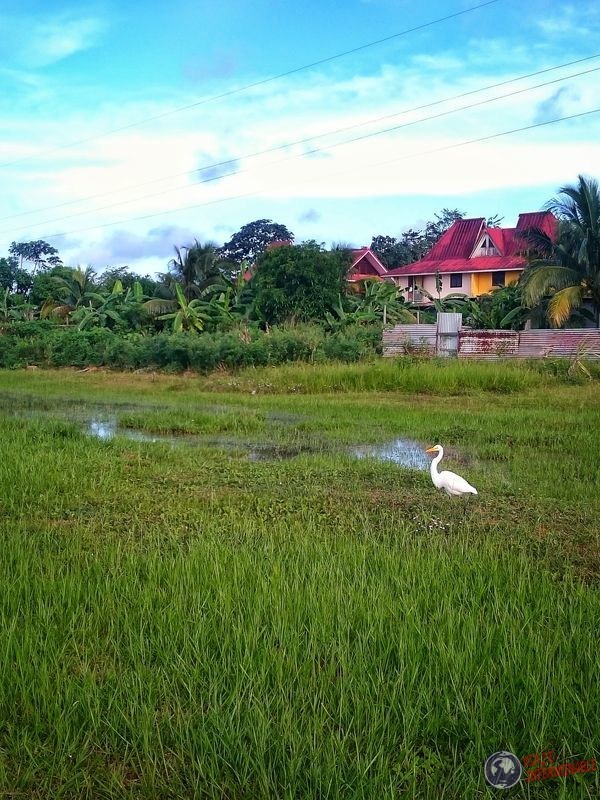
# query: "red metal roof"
{"points": [[479, 264], [452, 252], [497, 237], [458, 241], [544, 221], [279, 243]]}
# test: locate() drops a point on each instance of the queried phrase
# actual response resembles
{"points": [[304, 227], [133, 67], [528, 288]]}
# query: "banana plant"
{"points": [[184, 315], [9, 313], [379, 303], [98, 316]]}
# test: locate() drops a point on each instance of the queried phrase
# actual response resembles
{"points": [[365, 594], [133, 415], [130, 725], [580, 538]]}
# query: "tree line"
{"points": [[261, 278]]}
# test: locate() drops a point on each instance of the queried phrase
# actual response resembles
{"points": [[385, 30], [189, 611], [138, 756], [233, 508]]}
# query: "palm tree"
{"points": [[570, 272], [195, 267], [70, 292]]}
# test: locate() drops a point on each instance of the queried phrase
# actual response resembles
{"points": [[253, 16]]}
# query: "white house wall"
{"points": [[428, 283]]}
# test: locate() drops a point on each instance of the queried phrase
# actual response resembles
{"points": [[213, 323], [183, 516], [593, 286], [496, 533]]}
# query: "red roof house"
{"points": [[471, 257]]}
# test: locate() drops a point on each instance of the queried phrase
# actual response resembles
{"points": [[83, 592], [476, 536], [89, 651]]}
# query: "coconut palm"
{"points": [[569, 270], [195, 267], [71, 291]]}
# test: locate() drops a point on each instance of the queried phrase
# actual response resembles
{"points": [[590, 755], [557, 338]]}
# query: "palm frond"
{"points": [[539, 241], [541, 279], [563, 303]]}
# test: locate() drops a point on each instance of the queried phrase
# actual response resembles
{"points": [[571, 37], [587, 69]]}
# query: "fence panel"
{"points": [[487, 344], [565, 343], [403, 339]]}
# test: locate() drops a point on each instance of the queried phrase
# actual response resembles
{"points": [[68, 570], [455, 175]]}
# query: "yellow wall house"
{"points": [[472, 258]]}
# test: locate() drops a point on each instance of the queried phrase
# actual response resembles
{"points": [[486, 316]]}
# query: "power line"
{"points": [[318, 149], [334, 174], [296, 142], [248, 86]]}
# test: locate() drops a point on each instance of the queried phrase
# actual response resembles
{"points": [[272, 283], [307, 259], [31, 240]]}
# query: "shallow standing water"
{"points": [[102, 422], [404, 452]]}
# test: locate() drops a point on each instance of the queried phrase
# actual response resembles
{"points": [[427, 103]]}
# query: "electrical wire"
{"points": [[296, 142], [309, 152], [335, 174], [248, 86]]}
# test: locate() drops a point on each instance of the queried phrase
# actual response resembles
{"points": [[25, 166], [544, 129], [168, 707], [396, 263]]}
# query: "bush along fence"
{"points": [[45, 344], [449, 338]]}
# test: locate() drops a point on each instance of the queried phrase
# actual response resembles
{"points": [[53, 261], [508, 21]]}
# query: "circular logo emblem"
{"points": [[503, 770]]}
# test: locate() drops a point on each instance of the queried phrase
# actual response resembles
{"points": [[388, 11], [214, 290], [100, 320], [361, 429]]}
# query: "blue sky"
{"points": [[71, 74]]}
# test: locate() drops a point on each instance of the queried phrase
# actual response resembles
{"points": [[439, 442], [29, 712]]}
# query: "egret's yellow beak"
{"points": [[431, 450]]}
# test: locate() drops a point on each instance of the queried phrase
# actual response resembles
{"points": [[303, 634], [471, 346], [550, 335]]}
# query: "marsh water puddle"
{"points": [[101, 421], [108, 428], [403, 452]]}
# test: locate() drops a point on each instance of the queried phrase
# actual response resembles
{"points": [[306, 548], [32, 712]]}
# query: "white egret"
{"points": [[450, 482]]}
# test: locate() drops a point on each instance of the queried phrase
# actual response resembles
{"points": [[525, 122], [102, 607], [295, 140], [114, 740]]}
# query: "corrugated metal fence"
{"points": [[537, 344], [488, 344], [404, 339]]}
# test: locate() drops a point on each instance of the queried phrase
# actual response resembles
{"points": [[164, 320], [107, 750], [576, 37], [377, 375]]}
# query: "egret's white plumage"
{"points": [[450, 482]]}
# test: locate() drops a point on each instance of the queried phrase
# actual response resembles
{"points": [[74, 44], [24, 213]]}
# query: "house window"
{"points": [[455, 281], [498, 278]]}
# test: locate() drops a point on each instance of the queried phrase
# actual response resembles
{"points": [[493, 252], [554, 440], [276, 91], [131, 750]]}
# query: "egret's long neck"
{"points": [[434, 468]]}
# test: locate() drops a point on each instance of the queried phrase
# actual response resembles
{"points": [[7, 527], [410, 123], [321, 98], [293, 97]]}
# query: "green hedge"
{"points": [[47, 345]]}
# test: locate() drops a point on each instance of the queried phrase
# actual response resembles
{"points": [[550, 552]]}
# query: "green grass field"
{"points": [[183, 621]]}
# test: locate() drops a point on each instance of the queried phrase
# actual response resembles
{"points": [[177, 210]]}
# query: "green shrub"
{"points": [[45, 343]]}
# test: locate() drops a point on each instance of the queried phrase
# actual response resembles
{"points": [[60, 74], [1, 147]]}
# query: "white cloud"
{"points": [[159, 156], [40, 41], [125, 246], [570, 21]]}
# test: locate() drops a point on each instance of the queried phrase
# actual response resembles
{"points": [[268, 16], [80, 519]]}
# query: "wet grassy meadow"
{"points": [[246, 586]]}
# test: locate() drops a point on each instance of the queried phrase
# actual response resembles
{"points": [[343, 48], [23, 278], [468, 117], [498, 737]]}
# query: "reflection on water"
{"points": [[103, 428], [404, 452], [108, 427], [101, 422]]}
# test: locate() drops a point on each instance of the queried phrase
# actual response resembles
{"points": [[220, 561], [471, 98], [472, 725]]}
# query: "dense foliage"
{"points": [[301, 282], [292, 303], [42, 343], [568, 273], [217, 306], [252, 240]]}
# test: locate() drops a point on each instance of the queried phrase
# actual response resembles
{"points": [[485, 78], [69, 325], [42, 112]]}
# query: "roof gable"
{"points": [[458, 241], [489, 243], [365, 262], [459, 248]]}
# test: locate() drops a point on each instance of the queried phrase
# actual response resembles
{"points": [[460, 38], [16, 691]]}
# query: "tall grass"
{"points": [[430, 376], [189, 623], [290, 665]]}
